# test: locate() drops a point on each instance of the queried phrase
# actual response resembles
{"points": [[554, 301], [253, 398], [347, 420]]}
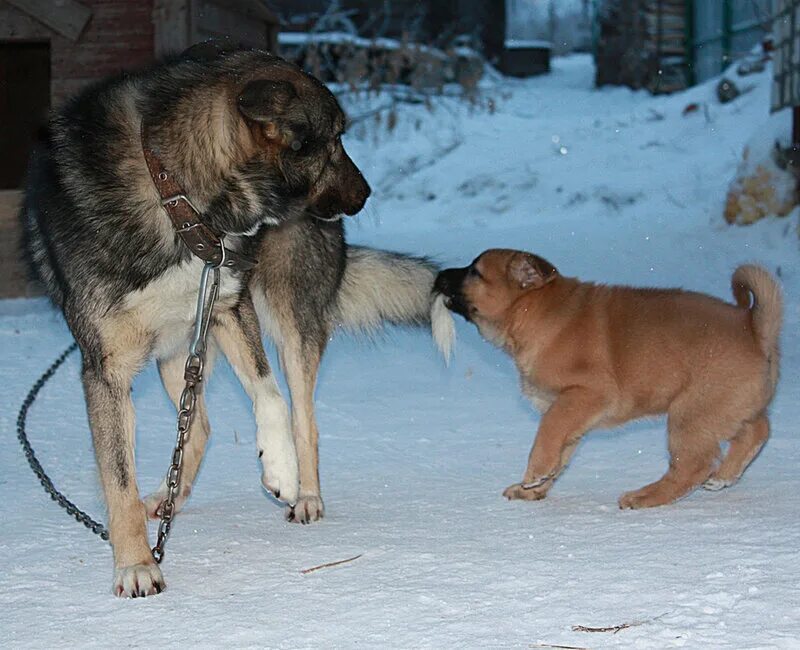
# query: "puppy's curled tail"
{"points": [[381, 286], [755, 289]]}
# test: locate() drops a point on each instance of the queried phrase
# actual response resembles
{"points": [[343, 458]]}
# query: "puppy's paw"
{"points": [[152, 502], [646, 497], [518, 491], [537, 481], [138, 581], [630, 501], [716, 483], [307, 509]]}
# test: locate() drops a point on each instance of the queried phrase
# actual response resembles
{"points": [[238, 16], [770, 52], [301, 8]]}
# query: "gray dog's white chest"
{"points": [[166, 307]]}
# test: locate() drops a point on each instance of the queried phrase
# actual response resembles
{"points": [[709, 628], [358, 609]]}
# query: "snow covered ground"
{"points": [[609, 185]]}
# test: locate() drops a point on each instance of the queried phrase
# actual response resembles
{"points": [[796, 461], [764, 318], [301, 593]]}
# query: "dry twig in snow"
{"points": [[615, 628], [330, 564]]}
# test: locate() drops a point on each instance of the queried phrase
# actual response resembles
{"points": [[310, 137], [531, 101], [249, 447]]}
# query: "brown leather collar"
{"points": [[201, 240]]}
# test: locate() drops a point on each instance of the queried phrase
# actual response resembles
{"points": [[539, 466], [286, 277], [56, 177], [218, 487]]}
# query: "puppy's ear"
{"points": [[528, 270], [265, 100]]}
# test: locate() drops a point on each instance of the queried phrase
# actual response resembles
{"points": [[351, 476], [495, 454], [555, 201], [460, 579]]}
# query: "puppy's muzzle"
{"points": [[450, 284]]}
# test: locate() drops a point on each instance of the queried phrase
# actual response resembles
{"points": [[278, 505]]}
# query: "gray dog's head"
{"points": [[297, 126]]}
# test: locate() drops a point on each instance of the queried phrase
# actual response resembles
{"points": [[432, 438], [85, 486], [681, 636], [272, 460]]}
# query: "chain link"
{"points": [[193, 376], [73, 510]]}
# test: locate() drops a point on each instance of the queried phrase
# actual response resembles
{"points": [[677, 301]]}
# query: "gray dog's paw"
{"points": [[307, 509], [281, 476], [152, 502], [138, 581]]}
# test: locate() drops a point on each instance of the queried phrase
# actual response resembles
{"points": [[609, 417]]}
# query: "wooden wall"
{"points": [[117, 36], [643, 44], [91, 39]]}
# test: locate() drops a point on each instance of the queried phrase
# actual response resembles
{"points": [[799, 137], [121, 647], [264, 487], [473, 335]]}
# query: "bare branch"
{"points": [[330, 564]]}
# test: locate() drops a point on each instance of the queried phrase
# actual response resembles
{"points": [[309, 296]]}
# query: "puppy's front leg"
{"points": [[237, 333], [573, 413]]}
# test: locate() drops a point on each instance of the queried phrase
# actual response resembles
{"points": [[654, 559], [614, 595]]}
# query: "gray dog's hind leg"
{"points": [[301, 360], [171, 371]]}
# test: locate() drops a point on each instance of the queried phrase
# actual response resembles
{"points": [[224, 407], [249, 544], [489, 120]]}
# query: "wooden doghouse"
{"points": [[50, 49]]}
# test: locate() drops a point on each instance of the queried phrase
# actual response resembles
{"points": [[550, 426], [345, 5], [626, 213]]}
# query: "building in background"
{"points": [[516, 36], [668, 45], [49, 50]]}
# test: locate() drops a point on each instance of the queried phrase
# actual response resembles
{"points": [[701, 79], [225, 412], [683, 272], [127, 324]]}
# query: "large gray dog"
{"points": [[255, 145]]}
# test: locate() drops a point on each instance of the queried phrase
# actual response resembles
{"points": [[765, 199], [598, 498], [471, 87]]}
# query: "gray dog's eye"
{"points": [[296, 145]]}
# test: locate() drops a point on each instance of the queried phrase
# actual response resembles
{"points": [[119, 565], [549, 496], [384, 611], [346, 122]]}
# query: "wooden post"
{"points": [[796, 126], [796, 140], [689, 27], [727, 27]]}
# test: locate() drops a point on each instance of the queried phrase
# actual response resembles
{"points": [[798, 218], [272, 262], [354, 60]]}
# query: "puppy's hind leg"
{"points": [[693, 448], [744, 447], [109, 365], [171, 371], [237, 333]]}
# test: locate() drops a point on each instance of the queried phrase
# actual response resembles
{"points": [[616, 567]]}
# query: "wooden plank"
{"points": [[171, 26], [10, 200], [215, 19], [66, 17], [253, 8], [17, 25], [14, 280], [785, 70]]}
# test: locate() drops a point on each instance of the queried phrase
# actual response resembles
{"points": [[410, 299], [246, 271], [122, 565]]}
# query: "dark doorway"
{"points": [[24, 104]]}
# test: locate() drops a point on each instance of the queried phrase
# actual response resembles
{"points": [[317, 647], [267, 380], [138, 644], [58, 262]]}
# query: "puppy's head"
{"points": [[297, 127], [483, 291]]}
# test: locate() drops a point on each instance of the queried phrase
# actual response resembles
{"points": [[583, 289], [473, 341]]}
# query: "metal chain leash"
{"points": [[193, 375], [73, 510]]}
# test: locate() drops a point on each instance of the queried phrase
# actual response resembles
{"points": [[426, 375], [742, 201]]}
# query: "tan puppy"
{"points": [[594, 356]]}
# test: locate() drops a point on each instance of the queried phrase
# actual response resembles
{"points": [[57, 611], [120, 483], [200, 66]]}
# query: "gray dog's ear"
{"points": [[529, 270], [264, 100]]}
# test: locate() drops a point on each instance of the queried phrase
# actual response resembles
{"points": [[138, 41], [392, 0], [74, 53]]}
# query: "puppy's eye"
{"points": [[473, 272], [296, 145]]}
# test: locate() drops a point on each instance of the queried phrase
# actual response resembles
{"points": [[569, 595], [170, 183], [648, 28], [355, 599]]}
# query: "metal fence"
{"points": [[721, 31], [786, 66], [716, 32]]}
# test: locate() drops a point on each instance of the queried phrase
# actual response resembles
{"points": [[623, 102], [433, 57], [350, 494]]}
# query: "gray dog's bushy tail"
{"points": [[381, 286], [766, 309]]}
